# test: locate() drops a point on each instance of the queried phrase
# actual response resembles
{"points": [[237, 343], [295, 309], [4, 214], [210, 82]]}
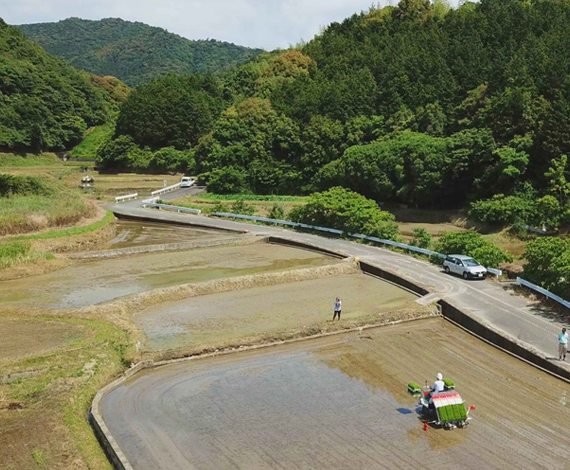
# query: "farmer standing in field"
{"points": [[337, 308], [562, 344]]}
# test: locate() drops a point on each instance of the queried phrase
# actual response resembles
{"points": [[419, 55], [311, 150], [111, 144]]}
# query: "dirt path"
{"points": [[341, 403]]}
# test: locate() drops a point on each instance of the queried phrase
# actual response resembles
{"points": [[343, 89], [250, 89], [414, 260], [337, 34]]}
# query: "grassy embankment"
{"points": [[92, 140], [31, 203], [34, 209], [28, 160], [43, 411]]}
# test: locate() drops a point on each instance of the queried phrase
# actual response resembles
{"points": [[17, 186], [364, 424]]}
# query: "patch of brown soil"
{"points": [[39, 431], [23, 338]]}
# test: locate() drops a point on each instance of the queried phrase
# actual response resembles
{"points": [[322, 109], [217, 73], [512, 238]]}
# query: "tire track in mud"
{"points": [[341, 402]]}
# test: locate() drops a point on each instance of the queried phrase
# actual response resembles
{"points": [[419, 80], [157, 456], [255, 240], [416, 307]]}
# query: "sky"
{"points": [[267, 24]]}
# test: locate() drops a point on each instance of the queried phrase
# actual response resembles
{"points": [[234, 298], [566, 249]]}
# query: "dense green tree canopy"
{"points": [[173, 111], [415, 103], [132, 51], [44, 102]]}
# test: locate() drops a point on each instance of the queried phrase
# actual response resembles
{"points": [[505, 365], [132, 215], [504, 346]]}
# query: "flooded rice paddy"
{"points": [[242, 313], [341, 402], [91, 282], [133, 234]]}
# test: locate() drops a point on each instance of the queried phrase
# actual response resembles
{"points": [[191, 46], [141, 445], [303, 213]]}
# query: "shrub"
{"points": [[13, 185], [168, 159], [548, 212], [345, 210], [277, 212], [546, 261], [471, 243], [220, 207], [240, 207], [421, 238], [228, 180], [503, 210]]}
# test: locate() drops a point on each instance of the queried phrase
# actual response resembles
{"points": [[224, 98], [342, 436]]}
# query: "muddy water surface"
{"points": [[340, 402], [92, 282], [131, 234], [210, 318]]}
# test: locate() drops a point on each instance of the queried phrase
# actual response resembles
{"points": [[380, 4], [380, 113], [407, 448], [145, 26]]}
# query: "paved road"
{"points": [[490, 302]]}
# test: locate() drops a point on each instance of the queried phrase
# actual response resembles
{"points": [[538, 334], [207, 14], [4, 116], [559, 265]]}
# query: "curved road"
{"points": [[489, 302]]}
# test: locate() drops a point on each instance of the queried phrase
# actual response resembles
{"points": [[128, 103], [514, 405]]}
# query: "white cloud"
{"points": [[256, 23]]}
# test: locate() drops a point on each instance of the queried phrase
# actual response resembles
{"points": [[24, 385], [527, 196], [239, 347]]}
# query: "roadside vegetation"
{"points": [[31, 203], [348, 211], [548, 264], [28, 160], [473, 244]]}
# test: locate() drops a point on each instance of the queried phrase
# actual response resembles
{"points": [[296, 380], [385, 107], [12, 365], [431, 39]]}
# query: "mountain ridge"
{"points": [[133, 51]]}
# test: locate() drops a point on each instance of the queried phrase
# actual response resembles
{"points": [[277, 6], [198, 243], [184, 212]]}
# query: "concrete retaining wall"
{"points": [[104, 436], [304, 246], [502, 340], [393, 278]]}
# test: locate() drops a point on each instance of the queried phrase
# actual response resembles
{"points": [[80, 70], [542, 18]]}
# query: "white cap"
{"points": [[439, 376]]}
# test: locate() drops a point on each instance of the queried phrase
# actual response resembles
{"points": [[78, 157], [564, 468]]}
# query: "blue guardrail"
{"points": [[359, 236], [541, 290]]}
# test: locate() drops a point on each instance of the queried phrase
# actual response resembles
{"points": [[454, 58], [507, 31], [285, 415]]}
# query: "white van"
{"points": [[186, 182]]}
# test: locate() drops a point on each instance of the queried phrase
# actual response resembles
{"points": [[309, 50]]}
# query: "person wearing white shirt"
{"points": [[437, 387], [337, 308], [562, 344]]}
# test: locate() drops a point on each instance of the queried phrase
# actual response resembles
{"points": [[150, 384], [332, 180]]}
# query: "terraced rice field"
{"points": [[92, 282], [269, 309], [341, 402]]}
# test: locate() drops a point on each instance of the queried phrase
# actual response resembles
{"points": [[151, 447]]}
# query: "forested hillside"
{"points": [[44, 102], [417, 104], [132, 51]]}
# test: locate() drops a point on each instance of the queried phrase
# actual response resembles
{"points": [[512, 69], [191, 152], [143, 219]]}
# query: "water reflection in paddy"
{"points": [[87, 283]]}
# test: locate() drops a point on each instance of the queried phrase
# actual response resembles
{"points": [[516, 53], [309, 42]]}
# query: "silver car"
{"points": [[464, 266]]}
